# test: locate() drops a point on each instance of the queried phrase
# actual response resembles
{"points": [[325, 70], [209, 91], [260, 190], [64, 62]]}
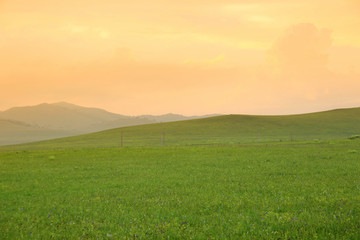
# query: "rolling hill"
{"points": [[64, 119], [334, 124]]}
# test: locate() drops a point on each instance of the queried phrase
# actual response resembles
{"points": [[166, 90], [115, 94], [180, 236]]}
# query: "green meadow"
{"points": [[227, 177]]}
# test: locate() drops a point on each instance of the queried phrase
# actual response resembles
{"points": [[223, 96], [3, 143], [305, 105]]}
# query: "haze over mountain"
{"points": [[12, 132], [170, 117], [243, 129], [59, 116], [46, 121]]}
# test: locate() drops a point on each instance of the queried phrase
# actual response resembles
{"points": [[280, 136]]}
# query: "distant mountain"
{"points": [[122, 122], [60, 116], [13, 132], [170, 117], [9, 125], [65, 119]]}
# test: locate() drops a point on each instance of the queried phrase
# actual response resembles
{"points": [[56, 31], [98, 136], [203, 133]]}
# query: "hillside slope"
{"points": [[14, 132], [333, 124]]}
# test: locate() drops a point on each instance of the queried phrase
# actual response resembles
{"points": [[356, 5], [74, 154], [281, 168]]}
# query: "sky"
{"points": [[188, 57]]}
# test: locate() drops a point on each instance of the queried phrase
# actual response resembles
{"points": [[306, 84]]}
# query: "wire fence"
{"points": [[163, 139], [158, 139]]}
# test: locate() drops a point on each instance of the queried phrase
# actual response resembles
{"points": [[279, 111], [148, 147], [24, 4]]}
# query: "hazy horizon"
{"points": [[150, 114], [272, 57]]}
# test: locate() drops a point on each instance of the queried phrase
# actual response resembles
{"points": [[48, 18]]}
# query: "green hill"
{"points": [[334, 124]]}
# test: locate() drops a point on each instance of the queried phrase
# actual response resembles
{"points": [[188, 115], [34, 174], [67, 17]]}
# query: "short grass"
{"points": [[302, 190]]}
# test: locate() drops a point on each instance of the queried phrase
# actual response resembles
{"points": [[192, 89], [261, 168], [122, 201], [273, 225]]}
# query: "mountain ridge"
{"points": [[66, 119]]}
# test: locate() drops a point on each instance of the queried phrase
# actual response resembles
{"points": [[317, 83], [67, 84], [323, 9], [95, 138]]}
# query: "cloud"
{"points": [[207, 62], [297, 72], [355, 4], [123, 55], [104, 35], [87, 30], [76, 28], [302, 49]]}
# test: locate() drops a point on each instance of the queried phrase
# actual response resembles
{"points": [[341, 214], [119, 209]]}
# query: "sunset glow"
{"points": [[188, 57]]}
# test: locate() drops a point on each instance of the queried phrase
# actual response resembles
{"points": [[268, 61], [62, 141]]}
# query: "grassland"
{"points": [[220, 187], [229, 129], [287, 191]]}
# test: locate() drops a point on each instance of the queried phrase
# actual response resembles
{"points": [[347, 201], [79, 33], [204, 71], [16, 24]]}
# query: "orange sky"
{"points": [[189, 57]]}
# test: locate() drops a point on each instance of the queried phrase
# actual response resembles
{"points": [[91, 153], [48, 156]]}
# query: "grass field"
{"points": [[284, 191], [211, 180]]}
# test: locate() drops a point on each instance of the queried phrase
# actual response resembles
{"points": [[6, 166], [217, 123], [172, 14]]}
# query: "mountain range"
{"points": [[47, 121]]}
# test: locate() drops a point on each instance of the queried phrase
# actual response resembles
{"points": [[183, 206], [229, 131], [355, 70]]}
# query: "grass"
{"points": [[213, 179], [256, 191]]}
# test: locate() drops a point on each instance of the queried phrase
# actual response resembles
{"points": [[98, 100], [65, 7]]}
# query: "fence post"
{"points": [[259, 137], [121, 139], [162, 138]]}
